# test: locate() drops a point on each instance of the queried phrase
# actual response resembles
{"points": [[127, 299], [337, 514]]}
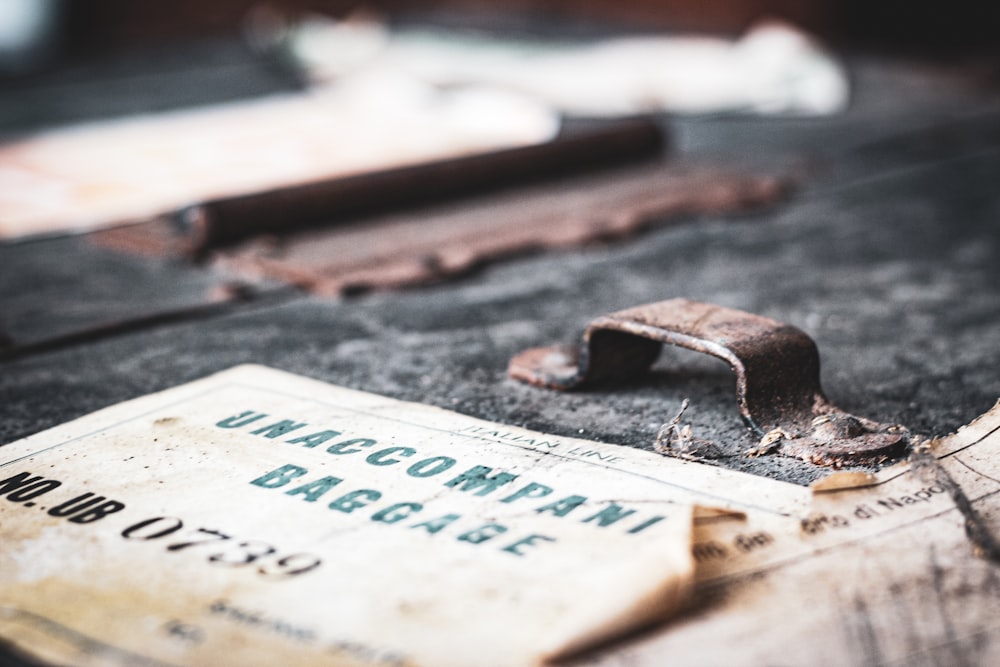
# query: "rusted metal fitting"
{"points": [[777, 375]]}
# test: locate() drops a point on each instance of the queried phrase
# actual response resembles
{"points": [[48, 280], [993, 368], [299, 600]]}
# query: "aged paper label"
{"points": [[255, 517], [878, 569]]}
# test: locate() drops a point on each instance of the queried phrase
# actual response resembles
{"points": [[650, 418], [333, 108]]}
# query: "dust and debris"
{"points": [[702, 514], [769, 443], [668, 432], [842, 480], [678, 440]]}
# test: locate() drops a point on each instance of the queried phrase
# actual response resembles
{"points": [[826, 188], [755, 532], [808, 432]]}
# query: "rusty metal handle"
{"points": [[777, 375]]}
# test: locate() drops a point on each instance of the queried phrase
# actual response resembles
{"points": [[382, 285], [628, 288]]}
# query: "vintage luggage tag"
{"points": [[257, 517]]}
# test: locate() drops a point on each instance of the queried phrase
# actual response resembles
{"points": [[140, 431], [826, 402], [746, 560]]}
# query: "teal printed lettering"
{"points": [[430, 467], [564, 506], [346, 446], [278, 429], [242, 419], [528, 541], [483, 533], [396, 513], [436, 525], [313, 490], [379, 458], [279, 476], [478, 478], [609, 515], [349, 502], [529, 490]]}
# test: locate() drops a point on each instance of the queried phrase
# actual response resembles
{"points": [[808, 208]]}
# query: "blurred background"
{"points": [[400, 82], [44, 33]]}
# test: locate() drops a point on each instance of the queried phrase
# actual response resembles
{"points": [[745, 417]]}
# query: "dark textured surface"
{"points": [[887, 256], [61, 286], [145, 81]]}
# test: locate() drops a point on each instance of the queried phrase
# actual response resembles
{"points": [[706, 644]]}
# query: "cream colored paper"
{"points": [[857, 570], [443, 540], [881, 573]]}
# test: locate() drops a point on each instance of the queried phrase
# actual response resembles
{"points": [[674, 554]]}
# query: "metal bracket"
{"points": [[777, 375]]}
